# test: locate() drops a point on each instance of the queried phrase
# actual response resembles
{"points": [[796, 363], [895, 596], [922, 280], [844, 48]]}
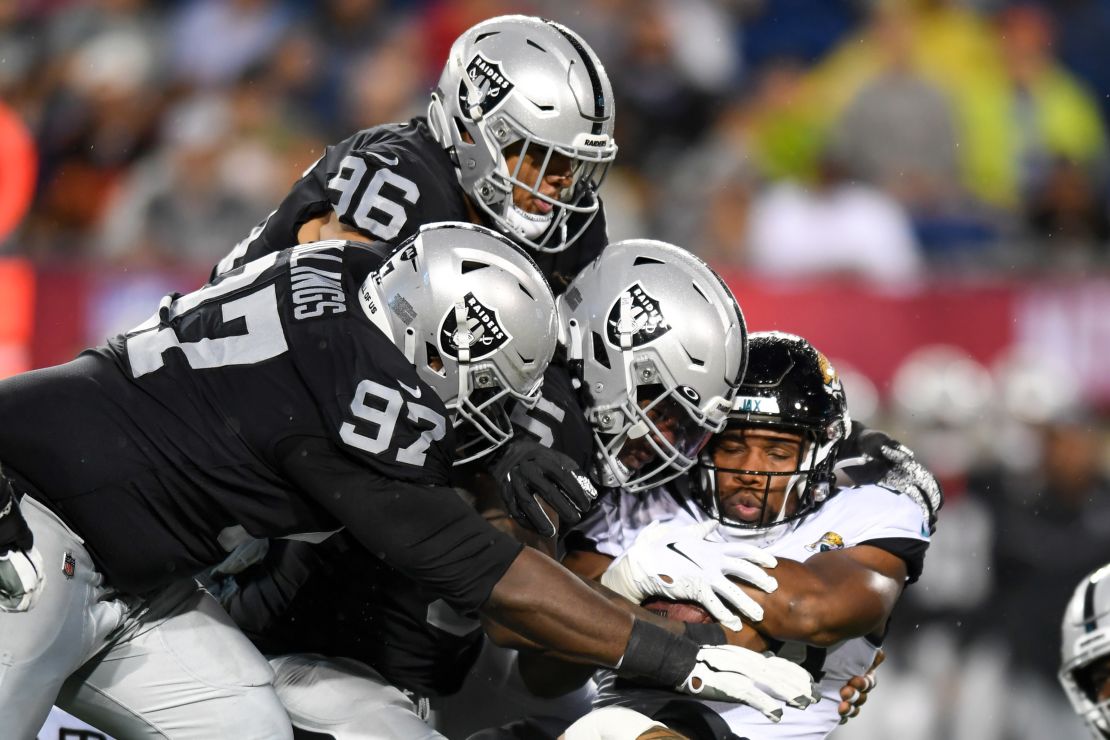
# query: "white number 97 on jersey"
{"points": [[380, 406]]}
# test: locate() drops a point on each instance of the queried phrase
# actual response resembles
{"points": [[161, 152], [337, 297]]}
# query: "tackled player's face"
{"points": [[672, 428], [748, 496], [555, 179]]}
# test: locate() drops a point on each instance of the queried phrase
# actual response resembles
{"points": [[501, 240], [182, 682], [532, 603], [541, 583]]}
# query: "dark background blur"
{"points": [[919, 187]]}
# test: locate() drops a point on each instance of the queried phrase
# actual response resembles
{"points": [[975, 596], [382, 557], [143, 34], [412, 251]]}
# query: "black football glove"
{"points": [[869, 456], [528, 472]]}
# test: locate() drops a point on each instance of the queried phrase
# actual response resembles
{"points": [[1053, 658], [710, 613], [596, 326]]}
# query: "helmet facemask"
{"points": [[1082, 684], [582, 170], [657, 432], [792, 389], [808, 485]]}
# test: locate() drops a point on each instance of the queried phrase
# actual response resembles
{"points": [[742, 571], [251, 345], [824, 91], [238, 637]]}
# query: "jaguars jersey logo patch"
{"points": [[483, 332], [488, 87], [636, 313], [828, 541]]}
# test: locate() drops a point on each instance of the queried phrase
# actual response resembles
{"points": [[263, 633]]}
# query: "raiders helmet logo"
{"points": [[484, 331], [487, 89], [644, 321]]}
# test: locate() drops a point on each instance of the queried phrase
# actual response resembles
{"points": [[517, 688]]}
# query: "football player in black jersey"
{"points": [[518, 137], [315, 388]]}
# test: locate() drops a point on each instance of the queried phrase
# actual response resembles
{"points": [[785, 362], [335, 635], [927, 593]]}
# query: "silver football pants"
{"points": [[171, 665]]}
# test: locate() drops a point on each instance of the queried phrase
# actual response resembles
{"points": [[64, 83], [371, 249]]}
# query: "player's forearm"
{"points": [[550, 607], [822, 605]]}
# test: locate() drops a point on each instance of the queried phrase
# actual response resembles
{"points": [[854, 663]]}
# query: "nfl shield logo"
{"points": [[69, 566]]}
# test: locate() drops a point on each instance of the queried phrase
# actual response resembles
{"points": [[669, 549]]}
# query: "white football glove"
{"points": [[680, 563], [731, 673], [21, 579]]}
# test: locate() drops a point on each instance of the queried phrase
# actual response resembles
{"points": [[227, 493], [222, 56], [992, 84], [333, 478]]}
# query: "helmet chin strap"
{"points": [[626, 325], [463, 338], [528, 225]]}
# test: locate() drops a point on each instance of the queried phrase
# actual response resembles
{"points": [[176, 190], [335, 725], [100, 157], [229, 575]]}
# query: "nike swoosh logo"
{"points": [[384, 158], [672, 548], [414, 392]]}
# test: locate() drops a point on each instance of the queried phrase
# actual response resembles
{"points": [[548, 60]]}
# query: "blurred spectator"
{"points": [[834, 227], [899, 134], [97, 120], [442, 21], [1067, 212], [214, 41], [180, 205], [296, 83], [664, 106], [800, 29], [1084, 26], [786, 125], [708, 194], [952, 47], [1052, 527], [1033, 114], [383, 84]]}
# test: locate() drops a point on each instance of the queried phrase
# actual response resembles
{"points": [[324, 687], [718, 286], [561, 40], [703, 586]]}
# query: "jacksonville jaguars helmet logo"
{"points": [[642, 318], [482, 331], [828, 541], [488, 86]]}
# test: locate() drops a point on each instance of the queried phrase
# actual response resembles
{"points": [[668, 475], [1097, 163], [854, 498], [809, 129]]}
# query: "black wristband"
{"points": [[657, 655], [706, 634]]}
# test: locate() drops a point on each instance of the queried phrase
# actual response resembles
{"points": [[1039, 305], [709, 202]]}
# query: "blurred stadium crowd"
{"points": [[892, 141], [878, 137]]}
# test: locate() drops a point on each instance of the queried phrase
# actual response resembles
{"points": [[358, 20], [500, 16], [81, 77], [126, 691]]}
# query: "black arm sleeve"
{"points": [[428, 533], [910, 550], [268, 588]]}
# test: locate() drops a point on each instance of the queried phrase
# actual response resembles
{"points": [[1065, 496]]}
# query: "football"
{"points": [[679, 611]]}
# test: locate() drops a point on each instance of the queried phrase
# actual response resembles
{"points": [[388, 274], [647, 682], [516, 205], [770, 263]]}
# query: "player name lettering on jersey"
{"points": [[316, 291]]}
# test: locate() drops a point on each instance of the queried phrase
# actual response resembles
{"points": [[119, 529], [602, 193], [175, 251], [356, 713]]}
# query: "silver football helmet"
{"points": [[520, 84], [475, 316], [659, 346], [1085, 651]]}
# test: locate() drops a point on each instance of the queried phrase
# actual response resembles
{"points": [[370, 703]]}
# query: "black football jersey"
{"points": [[335, 598], [219, 412], [386, 182], [557, 420]]}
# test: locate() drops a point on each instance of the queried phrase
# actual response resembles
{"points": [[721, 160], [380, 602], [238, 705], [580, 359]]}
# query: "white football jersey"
{"points": [[863, 514]]}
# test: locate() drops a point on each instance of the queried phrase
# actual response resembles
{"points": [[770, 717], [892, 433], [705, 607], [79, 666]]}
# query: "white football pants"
{"points": [[169, 666]]}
